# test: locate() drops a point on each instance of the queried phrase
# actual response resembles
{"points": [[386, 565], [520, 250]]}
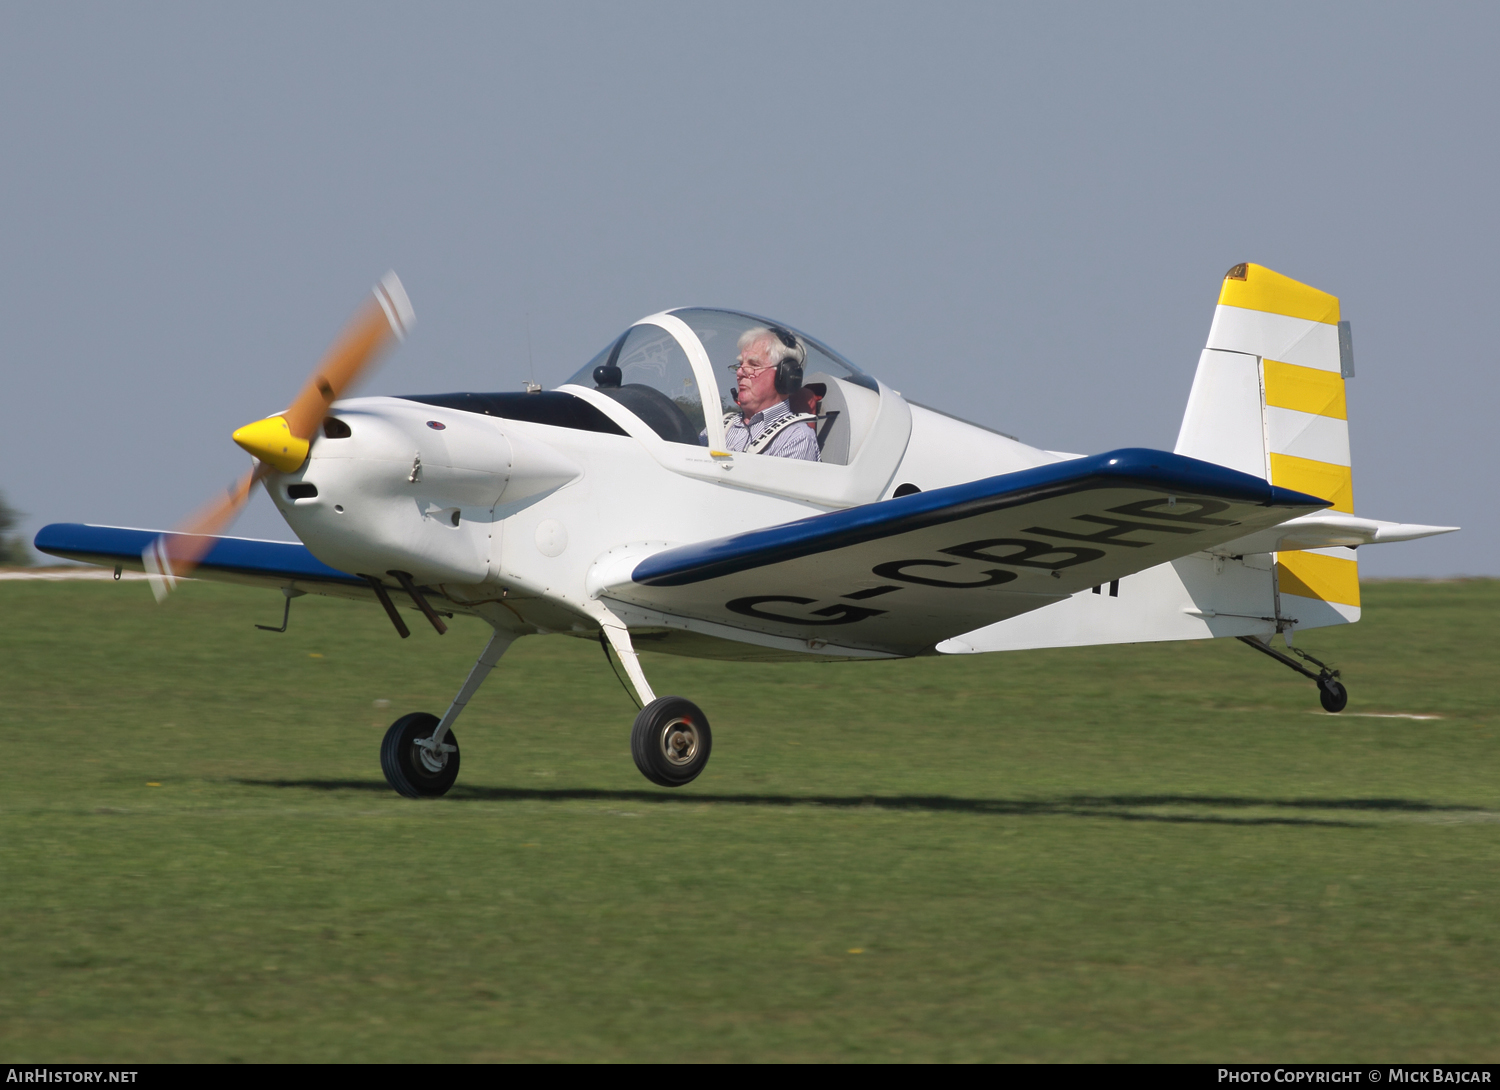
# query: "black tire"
{"points": [[401, 758], [670, 741], [1333, 695]]}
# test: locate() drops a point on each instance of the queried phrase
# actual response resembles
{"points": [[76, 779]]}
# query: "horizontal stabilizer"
{"points": [[900, 575], [1326, 530]]}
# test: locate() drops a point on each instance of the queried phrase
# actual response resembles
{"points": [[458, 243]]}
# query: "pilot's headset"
{"points": [[789, 370]]}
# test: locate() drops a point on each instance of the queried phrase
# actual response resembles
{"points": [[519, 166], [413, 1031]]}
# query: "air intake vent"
{"points": [[301, 491]]}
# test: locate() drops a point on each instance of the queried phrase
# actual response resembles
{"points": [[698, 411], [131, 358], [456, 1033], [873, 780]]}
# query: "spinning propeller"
{"points": [[280, 443]]}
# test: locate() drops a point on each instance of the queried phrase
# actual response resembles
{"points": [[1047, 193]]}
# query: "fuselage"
{"points": [[519, 514]]}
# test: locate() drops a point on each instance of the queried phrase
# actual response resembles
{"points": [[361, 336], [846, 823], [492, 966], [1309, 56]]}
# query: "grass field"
{"points": [[1163, 852]]}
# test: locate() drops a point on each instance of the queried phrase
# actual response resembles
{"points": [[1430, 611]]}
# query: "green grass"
{"points": [[1162, 852]]}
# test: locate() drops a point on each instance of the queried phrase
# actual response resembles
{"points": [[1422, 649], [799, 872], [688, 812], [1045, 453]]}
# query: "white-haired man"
{"points": [[768, 375]]}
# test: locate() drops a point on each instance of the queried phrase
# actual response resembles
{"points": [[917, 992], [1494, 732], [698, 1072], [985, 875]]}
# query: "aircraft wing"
{"points": [[901, 575], [232, 559]]}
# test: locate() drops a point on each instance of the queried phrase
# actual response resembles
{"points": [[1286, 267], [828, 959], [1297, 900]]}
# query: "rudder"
{"points": [[1268, 399]]}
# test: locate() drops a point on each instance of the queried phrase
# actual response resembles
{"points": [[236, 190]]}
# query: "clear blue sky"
{"points": [[1019, 214]]}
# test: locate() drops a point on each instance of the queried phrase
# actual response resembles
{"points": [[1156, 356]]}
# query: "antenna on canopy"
{"points": [[532, 387]]}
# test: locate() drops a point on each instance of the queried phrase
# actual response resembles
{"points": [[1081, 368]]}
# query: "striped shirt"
{"points": [[793, 441]]}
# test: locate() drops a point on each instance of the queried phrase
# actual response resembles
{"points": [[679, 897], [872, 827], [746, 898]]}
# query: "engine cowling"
{"points": [[412, 488]]}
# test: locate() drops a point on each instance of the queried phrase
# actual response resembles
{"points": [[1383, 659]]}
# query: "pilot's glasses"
{"points": [[749, 368]]}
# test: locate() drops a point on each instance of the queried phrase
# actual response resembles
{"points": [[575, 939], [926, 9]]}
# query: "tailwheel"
{"points": [[1332, 694], [413, 764], [670, 741]]}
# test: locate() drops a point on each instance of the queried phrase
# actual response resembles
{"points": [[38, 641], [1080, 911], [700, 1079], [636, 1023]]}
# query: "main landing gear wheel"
{"points": [[670, 741], [1332, 694], [415, 770]]}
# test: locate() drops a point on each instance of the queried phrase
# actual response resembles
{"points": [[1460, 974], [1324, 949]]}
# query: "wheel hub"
{"points": [[433, 758], [679, 742]]}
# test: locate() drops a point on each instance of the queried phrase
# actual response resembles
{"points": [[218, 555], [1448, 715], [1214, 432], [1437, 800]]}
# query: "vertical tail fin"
{"points": [[1268, 399]]}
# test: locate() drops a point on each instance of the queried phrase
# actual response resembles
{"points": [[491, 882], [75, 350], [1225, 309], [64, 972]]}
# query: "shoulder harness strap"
{"points": [[776, 429]]}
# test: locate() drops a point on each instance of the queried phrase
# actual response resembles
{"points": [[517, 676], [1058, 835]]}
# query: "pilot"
{"points": [[768, 376]]}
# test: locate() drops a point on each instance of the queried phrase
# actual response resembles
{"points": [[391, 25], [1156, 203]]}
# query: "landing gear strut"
{"points": [[419, 755], [670, 739], [1331, 692]]}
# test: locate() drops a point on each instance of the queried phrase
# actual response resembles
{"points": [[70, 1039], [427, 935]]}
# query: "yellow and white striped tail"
{"points": [[1268, 399]]}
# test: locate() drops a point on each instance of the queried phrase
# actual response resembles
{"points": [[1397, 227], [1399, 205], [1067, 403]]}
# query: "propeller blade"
{"points": [[172, 556], [282, 442], [387, 314]]}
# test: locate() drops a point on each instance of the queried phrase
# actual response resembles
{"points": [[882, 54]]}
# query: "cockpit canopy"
{"points": [[676, 372]]}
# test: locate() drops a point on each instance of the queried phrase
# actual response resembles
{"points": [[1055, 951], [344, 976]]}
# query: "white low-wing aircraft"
{"points": [[614, 508]]}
